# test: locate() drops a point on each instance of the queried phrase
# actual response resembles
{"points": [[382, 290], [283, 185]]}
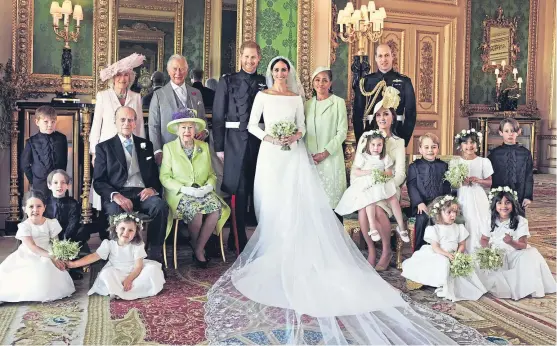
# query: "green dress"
{"points": [[326, 127]]}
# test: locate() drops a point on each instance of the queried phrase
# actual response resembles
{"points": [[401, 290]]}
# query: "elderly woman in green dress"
{"points": [[189, 183], [326, 127]]}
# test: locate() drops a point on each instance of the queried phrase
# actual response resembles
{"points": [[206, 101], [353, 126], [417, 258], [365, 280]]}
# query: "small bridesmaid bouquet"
{"points": [[489, 258], [462, 265], [65, 250], [456, 173], [284, 129]]}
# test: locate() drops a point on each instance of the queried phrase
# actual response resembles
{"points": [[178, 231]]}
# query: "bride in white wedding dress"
{"points": [[301, 279]]}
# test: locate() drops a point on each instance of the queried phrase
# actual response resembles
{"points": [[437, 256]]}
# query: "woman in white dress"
{"points": [[471, 195], [31, 273], [525, 272], [120, 78], [127, 275], [300, 274], [431, 264]]}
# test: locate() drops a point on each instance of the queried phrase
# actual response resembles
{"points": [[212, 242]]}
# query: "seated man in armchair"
{"points": [[127, 178]]}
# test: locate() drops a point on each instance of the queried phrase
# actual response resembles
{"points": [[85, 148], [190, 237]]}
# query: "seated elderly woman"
{"points": [[189, 183]]}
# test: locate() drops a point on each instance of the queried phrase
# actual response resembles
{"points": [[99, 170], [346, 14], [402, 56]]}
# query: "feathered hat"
{"points": [[125, 64], [391, 99], [184, 115]]}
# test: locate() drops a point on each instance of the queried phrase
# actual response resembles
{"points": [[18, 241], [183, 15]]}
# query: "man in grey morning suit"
{"points": [[168, 99]]}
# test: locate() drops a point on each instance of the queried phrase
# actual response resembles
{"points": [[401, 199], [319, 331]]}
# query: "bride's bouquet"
{"points": [[461, 265], [489, 258], [65, 250], [456, 173], [283, 129]]}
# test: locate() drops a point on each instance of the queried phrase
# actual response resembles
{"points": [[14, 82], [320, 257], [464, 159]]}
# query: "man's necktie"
{"points": [[182, 95], [128, 145]]}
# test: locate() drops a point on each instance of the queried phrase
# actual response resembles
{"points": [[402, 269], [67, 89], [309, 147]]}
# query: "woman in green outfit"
{"points": [[326, 127], [189, 183]]}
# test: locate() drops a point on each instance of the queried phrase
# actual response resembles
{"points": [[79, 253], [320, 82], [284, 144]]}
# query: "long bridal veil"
{"points": [[302, 280]]}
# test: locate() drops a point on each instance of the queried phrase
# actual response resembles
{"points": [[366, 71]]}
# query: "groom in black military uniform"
{"points": [[233, 143], [406, 111]]}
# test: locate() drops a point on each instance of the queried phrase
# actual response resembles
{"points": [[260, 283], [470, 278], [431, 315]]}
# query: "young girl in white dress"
{"points": [[31, 273], [127, 275], [525, 272], [471, 195], [431, 264], [364, 192]]}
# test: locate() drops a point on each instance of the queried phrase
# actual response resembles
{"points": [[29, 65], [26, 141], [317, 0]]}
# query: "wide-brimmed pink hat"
{"points": [[125, 64]]}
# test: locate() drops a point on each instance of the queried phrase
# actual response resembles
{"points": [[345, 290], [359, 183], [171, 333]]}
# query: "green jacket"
{"points": [[326, 127], [177, 171]]}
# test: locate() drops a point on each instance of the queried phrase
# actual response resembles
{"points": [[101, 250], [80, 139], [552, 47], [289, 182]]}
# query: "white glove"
{"points": [[206, 189], [192, 191]]}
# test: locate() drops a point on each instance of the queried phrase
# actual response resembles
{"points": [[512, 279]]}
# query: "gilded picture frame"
{"points": [[530, 107], [22, 47]]}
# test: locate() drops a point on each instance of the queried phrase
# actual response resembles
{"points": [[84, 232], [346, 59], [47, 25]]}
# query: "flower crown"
{"points": [[436, 207], [115, 219], [376, 132], [496, 190], [464, 133]]}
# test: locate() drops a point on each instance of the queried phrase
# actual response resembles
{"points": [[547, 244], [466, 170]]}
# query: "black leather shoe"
{"points": [[76, 274]]}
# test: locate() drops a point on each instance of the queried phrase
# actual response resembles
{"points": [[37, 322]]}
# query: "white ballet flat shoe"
{"points": [[403, 235], [374, 234]]}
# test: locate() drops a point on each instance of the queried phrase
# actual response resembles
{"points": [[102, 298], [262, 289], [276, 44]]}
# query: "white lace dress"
{"points": [[361, 191], [525, 272], [121, 261], [300, 276], [432, 269], [26, 276], [473, 201]]}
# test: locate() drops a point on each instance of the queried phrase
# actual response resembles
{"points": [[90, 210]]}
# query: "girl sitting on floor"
{"points": [[525, 271], [127, 275], [431, 264]]}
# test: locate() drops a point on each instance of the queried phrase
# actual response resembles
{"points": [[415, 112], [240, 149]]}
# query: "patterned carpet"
{"points": [[175, 316]]}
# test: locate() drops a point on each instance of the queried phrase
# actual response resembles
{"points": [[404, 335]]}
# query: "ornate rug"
{"points": [[176, 315]]}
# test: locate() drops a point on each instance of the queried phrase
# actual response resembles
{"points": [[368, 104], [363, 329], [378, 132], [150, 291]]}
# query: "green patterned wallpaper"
{"points": [[482, 84], [168, 29], [340, 66], [277, 23], [194, 19], [47, 52]]}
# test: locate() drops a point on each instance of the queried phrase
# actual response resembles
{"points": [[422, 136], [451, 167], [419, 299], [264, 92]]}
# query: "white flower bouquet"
{"points": [[456, 173], [489, 258], [283, 129], [462, 265], [65, 250]]}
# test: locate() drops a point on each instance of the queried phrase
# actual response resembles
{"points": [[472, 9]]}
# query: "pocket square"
{"points": [[148, 158]]}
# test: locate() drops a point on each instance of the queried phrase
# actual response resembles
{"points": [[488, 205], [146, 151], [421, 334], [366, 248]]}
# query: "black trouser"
{"points": [[155, 207], [240, 213], [422, 221]]}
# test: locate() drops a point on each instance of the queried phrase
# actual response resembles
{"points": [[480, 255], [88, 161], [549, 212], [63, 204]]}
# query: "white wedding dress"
{"points": [[301, 279]]}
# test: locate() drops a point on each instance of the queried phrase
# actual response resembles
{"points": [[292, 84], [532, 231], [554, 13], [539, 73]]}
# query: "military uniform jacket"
{"points": [[44, 153], [406, 107], [513, 167], [426, 182], [231, 112]]}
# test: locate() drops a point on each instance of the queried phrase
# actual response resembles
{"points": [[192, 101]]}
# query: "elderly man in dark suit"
{"points": [[167, 100], [127, 178]]}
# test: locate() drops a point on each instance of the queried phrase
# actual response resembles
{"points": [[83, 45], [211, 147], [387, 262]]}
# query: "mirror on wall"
{"points": [[500, 43], [149, 27]]}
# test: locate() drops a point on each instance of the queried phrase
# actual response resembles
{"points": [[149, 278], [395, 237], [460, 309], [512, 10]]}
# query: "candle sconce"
{"points": [[506, 96], [64, 34]]}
